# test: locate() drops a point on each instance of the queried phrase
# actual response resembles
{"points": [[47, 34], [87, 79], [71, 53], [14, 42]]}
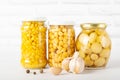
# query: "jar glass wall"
{"points": [[61, 43], [33, 46], [94, 45]]}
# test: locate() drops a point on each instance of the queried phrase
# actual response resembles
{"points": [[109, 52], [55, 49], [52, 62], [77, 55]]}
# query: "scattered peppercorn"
{"points": [[34, 73], [41, 70], [27, 71]]}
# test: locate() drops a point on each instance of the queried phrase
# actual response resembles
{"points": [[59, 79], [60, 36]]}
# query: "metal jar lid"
{"points": [[93, 26]]}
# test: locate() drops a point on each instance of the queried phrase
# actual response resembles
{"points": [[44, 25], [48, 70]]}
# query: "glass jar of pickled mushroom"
{"points": [[33, 44], [61, 43], [94, 45]]}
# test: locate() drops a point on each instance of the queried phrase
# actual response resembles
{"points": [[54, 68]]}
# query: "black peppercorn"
{"points": [[27, 71], [41, 70], [34, 73]]}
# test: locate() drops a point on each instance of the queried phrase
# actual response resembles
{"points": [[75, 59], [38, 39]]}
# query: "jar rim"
{"points": [[56, 25], [93, 26], [61, 23], [33, 19]]}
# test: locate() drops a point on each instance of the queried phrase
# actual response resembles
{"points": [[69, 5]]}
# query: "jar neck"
{"points": [[28, 23], [90, 26], [94, 29], [61, 26]]}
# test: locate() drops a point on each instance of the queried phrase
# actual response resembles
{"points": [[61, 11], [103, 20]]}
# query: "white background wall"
{"points": [[13, 12]]}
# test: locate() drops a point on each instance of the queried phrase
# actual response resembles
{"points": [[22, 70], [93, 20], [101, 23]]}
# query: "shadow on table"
{"points": [[88, 71], [84, 72], [114, 64]]}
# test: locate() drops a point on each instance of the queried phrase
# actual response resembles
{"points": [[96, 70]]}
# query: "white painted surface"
{"points": [[12, 12]]}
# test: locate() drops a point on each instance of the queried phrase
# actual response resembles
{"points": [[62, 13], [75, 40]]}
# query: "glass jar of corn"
{"points": [[94, 45], [33, 44], [61, 43]]}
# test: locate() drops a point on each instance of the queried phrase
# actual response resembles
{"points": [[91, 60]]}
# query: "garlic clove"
{"points": [[65, 63], [55, 70], [105, 41], [76, 55], [72, 65], [81, 64], [77, 65], [77, 70], [84, 38]]}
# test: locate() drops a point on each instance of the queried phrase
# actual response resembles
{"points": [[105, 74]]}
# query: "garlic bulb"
{"points": [[73, 64], [65, 63], [76, 55], [76, 65], [55, 70]]}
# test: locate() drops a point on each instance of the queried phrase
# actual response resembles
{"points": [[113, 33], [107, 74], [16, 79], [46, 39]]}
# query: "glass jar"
{"points": [[61, 43], [33, 46], [94, 45]]}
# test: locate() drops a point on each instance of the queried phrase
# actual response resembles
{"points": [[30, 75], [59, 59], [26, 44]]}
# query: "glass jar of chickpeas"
{"points": [[94, 45], [61, 43], [33, 44]]}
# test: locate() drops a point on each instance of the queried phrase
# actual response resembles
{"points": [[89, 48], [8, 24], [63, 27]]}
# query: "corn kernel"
{"points": [[33, 40]]}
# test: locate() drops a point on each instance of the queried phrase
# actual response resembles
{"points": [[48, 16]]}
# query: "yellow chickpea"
{"points": [[65, 55], [82, 54]]}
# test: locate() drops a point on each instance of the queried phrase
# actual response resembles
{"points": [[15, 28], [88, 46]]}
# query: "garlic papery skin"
{"points": [[76, 65], [65, 63], [76, 55], [81, 64], [72, 65]]}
